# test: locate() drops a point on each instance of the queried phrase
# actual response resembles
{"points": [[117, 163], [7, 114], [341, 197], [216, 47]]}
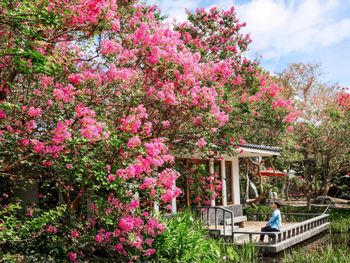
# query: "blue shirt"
{"points": [[276, 220]]}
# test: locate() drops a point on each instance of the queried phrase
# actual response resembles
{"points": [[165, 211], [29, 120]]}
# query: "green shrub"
{"points": [[185, 240]]}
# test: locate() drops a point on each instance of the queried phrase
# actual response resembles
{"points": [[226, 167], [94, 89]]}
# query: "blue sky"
{"points": [[288, 31]]}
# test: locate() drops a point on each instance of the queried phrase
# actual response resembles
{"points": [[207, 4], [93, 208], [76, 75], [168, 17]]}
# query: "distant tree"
{"points": [[319, 145]]}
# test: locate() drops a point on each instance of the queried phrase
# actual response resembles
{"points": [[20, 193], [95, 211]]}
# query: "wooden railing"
{"points": [[205, 216], [287, 217], [288, 232]]}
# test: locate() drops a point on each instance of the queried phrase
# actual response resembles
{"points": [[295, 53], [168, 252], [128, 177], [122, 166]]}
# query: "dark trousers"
{"points": [[267, 229]]}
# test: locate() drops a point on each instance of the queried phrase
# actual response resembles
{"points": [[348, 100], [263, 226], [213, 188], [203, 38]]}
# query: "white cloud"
{"points": [[289, 26], [175, 8]]}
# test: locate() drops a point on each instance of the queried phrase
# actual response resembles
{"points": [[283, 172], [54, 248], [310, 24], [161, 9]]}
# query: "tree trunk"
{"points": [[286, 188], [260, 177], [308, 195], [326, 187]]}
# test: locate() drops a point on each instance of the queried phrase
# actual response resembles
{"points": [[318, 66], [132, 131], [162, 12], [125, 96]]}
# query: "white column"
{"points": [[137, 196], [223, 179], [173, 201], [211, 173], [156, 207], [235, 181]]}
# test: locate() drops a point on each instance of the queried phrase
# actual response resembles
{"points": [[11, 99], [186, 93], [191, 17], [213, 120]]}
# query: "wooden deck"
{"points": [[291, 233]]}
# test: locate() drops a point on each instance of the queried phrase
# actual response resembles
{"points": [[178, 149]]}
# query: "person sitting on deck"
{"points": [[274, 224]]}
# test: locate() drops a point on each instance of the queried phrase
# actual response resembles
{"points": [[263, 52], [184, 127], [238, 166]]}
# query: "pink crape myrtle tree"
{"points": [[98, 95]]}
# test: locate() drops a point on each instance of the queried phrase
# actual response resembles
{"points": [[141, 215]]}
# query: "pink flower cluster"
{"points": [[61, 133], [65, 94], [51, 229], [134, 142], [90, 128], [132, 123], [34, 112], [2, 114], [201, 143], [110, 46], [344, 100]]}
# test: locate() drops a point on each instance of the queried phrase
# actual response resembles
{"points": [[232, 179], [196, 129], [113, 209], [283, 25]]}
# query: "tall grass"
{"points": [[328, 254], [341, 225]]}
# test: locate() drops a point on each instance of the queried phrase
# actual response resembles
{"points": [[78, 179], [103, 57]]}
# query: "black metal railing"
{"points": [[220, 215]]}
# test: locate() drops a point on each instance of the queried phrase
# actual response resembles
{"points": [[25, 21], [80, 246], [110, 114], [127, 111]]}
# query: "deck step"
{"points": [[235, 220], [220, 231]]}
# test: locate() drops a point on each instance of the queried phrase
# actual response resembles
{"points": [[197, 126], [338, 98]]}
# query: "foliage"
{"points": [[15, 227], [32, 234]]}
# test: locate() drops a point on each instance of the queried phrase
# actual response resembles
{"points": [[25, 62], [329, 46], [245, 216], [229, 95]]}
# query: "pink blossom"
{"points": [[25, 142], [242, 141], [47, 163], [149, 252], [99, 238], [292, 116], [65, 94], [34, 112], [201, 143], [167, 177], [134, 142], [237, 80], [69, 166], [290, 128], [30, 126], [74, 233], [155, 148], [51, 229], [134, 204], [167, 95], [147, 128], [36, 92], [111, 178], [110, 46], [148, 183], [72, 256], [115, 25], [166, 124], [169, 194], [2, 114], [75, 78], [81, 111], [126, 224], [61, 133], [29, 212], [119, 248]]}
